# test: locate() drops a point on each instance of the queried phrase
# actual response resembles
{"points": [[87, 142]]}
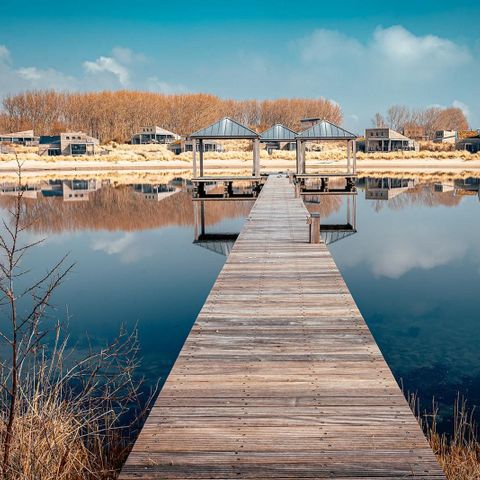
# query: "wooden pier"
{"points": [[280, 377]]}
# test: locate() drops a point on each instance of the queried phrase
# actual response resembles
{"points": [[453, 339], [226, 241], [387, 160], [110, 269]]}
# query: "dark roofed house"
{"points": [[25, 137], [50, 145], [445, 136], [470, 144], [309, 121], [68, 143], [185, 145], [154, 134], [387, 140]]}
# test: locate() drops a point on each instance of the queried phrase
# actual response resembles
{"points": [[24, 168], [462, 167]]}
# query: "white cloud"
{"points": [[403, 49], [388, 51], [16, 79], [129, 247], [126, 55], [391, 66], [47, 78], [396, 258], [4, 54], [463, 107], [329, 45], [122, 68], [108, 65]]}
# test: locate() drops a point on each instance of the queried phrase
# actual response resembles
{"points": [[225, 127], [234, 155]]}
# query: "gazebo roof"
{"points": [[226, 128], [278, 133], [324, 130]]}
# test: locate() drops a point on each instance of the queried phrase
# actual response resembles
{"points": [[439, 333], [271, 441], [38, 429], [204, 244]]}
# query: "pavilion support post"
{"points": [[256, 157], [354, 151], [302, 157], [349, 150], [200, 149], [298, 155], [194, 152]]}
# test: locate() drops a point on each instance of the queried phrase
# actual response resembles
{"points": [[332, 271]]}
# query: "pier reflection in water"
{"points": [[218, 242], [409, 253], [329, 204]]}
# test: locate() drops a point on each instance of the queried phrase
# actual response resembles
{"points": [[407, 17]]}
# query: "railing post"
{"points": [[314, 222], [297, 189]]}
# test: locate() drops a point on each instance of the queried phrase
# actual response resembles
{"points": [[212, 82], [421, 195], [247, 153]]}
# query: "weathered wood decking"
{"points": [[280, 376]]}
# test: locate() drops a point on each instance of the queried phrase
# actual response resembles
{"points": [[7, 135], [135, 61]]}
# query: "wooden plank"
{"points": [[280, 376]]}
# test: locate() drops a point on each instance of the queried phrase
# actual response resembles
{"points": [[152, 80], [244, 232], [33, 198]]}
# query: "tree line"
{"points": [[430, 119], [116, 115]]}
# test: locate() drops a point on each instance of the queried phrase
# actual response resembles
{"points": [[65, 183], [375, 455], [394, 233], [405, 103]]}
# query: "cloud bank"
{"points": [[391, 65], [115, 71]]}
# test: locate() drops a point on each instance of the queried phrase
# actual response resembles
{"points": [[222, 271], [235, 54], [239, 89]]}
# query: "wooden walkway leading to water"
{"points": [[280, 377]]}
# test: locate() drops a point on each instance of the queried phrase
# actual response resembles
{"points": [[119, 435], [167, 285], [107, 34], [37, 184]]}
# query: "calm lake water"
{"points": [[413, 267]]}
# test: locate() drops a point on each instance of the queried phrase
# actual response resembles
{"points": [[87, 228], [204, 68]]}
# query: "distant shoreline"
{"points": [[413, 165]]}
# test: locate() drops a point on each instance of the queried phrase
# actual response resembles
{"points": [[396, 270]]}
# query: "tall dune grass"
{"points": [[65, 414], [240, 151], [458, 451], [70, 421]]}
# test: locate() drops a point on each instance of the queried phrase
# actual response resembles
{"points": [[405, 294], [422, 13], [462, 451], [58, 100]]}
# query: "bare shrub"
{"points": [[64, 413]]}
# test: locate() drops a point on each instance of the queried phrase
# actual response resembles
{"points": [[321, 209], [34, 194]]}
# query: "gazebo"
{"points": [[277, 134], [225, 129], [322, 131]]}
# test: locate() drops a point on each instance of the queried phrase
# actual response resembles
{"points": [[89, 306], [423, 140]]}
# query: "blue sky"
{"points": [[364, 55]]}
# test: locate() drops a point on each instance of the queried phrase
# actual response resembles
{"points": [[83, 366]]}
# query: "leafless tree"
{"points": [[69, 402], [115, 116], [378, 120]]}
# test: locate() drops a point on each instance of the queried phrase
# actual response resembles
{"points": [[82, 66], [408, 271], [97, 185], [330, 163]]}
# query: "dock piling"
{"points": [[314, 221]]}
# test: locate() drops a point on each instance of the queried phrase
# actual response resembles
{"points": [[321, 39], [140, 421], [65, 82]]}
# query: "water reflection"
{"points": [[328, 206], [414, 270], [409, 254], [74, 205], [398, 193], [218, 242]]}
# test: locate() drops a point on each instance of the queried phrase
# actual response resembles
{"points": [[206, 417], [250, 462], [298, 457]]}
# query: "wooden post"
{"points": [[314, 222], [202, 218], [354, 145], [194, 152], [256, 157], [200, 148], [302, 148], [195, 221], [354, 219], [349, 148], [298, 155], [348, 211]]}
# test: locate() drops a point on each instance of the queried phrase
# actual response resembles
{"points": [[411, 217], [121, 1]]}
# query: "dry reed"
{"points": [[64, 414], [458, 452]]}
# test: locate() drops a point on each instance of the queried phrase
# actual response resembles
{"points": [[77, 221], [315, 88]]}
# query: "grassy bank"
{"points": [[233, 150], [458, 451]]}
